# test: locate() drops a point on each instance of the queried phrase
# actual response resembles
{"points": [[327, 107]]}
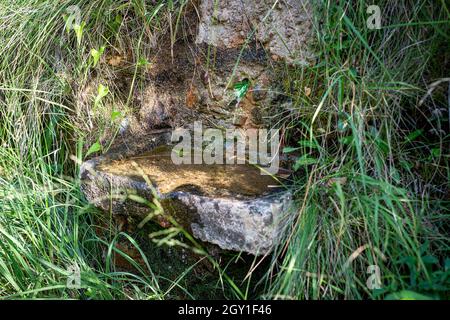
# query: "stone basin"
{"points": [[232, 206]]}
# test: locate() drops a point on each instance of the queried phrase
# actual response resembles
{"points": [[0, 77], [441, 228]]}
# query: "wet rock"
{"points": [[232, 206]]}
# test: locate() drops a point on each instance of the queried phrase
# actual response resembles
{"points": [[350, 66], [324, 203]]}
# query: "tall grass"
{"points": [[46, 227], [365, 200], [371, 181]]}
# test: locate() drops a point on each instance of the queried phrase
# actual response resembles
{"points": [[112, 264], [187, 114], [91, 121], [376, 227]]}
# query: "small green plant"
{"points": [[143, 62], [79, 31], [95, 147], [96, 55], [241, 88], [407, 295], [116, 115], [102, 92]]}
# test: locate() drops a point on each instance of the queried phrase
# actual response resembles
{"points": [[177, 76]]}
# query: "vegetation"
{"points": [[368, 123]]}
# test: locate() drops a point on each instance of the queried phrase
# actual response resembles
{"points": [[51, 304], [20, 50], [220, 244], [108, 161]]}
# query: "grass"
{"points": [[371, 178], [363, 194]]}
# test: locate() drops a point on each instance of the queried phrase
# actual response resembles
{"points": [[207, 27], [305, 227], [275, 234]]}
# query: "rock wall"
{"points": [[224, 42]]}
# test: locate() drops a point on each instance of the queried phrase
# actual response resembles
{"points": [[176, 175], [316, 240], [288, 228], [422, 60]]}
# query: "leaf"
{"points": [[102, 91], [353, 72], [414, 135], [436, 152], [115, 114], [94, 148], [407, 295], [308, 143], [307, 91], [289, 149], [96, 54], [241, 88], [347, 140], [115, 24], [66, 22], [430, 260], [153, 13], [304, 161], [79, 31], [382, 145], [142, 62]]}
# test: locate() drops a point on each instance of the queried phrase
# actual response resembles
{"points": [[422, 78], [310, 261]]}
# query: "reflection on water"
{"points": [[217, 180]]}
